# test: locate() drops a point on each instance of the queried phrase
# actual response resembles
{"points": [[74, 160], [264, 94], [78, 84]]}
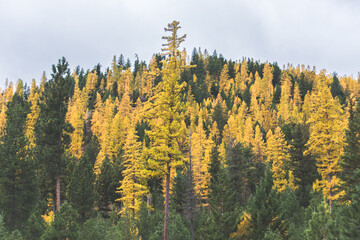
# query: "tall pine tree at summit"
{"points": [[167, 117], [51, 127]]}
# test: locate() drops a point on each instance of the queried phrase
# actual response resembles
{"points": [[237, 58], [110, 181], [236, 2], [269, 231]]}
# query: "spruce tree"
{"points": [[350, 215], [51, 128], [19, 190], [264, 210], [351, 158], [81, 189], [64, 226], [222, 200]]}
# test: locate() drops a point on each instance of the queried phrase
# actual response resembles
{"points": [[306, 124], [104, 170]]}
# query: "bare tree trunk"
{"points": [[167, 193], [58, 193], [330, 193]]}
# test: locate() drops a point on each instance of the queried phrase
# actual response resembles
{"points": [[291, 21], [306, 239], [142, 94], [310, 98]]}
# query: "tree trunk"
{"points": [[190, 191], [58, 193], [167, 193], [330, 194]]}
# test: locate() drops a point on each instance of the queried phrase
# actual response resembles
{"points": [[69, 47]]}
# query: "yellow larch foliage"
{"points": [[277, 152], [113, 76], [133, 186], [350, 85], [327, 133], [126, 82], [256, 87], [236, 122], [255, 109], [244, 76], [119, 127], [307, 107], [6, 97], [76, 117], [248, 132], [258, 145], [150, 76], [166, 117], [239, 85], [32, 116], [109, 81], [284, 105], [296, 114], [49, 215], [215, 133], [91, 81], [97, 116], [2, 120], [125, 107], [9, 91], [266, 94], [266, 88], [102, 86], [201, 147], [233, 129], [102, 126], [268, 116], [224, 80], [236, 105], [244, 228]]}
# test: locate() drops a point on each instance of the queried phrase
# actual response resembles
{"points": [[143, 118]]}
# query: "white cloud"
{"points": [[37, 33]]}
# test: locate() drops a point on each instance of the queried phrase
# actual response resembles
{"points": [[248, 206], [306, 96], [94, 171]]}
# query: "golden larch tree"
{"points": [[32, 116], [76, 117], [201, 148], [133, 186], [277, 151], [327, 134], [166, 117]]}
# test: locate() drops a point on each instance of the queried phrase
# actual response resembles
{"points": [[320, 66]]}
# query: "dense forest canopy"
{"points": [[186, 146]]}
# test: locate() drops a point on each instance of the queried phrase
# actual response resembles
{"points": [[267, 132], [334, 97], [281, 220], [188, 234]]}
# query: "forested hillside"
{"points": [[186, 146]]}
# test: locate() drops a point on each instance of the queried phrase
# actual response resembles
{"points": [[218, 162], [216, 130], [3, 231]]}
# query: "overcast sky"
{"points": [[35, 34]]}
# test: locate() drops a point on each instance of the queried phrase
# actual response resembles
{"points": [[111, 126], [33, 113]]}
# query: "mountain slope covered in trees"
{"points": [[182, 147]]}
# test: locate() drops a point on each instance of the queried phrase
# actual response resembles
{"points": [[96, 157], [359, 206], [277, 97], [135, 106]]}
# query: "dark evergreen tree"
{"points": [[337, 90], [219, 115], [239, 161], [51, 129], [221, 200], [293, 214], [81, 189], [19, 191], [351, 158], [148, 221], [106, 185], [64, 226], [264, 210], [177, 229], [94, 228], [35, 225], [318, 226], [350, 215], [179, 189], [297, 135]]}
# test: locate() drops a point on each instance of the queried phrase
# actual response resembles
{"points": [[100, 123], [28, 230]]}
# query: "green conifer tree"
{"points": [[51, 128], [19, 191]]}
